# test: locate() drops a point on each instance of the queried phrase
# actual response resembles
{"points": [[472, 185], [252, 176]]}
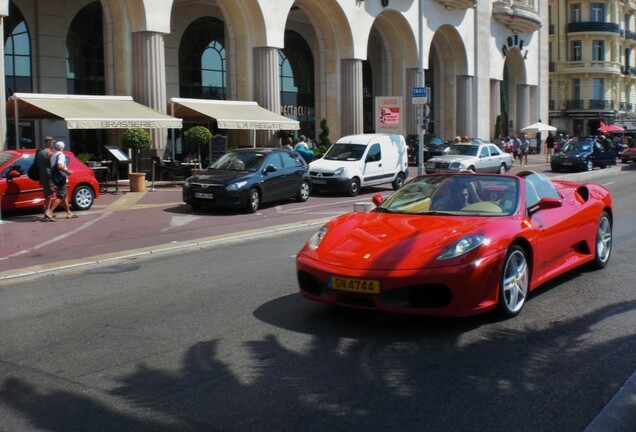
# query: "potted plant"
{"points": [[195, 137], [136, 139]]}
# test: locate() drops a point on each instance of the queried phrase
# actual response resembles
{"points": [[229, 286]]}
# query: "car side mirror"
{"points": [[544, 204], [13, 174], [377, 199], [270, 169]]}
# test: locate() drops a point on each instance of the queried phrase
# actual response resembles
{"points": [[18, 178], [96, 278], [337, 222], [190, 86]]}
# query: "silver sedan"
{"points": [[477, 156]]}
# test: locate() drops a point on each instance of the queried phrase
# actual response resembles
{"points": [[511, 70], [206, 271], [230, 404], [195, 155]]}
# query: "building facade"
{"points": [[485, 62], [592, 73]]}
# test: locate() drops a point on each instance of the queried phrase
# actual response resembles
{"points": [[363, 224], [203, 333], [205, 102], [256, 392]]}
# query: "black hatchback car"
{"points": [[245, 178], [582, 155]]}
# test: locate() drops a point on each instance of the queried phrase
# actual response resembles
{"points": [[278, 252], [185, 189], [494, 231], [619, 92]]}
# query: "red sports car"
{"points": [[458, 244], [18, 191]]}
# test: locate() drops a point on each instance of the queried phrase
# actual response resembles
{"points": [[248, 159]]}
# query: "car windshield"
{"points": [[5, 157], [458, 194], [345, 151], [464, 149], [239, 161], [578, 147]]}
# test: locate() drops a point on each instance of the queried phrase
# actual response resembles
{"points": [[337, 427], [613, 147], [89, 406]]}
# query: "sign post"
{"points": [[420, 98]]}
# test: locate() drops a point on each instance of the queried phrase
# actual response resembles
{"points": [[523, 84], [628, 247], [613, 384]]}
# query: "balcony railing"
{"points": [[628, 34], [592, 104], [596, 66], [593, 26]]}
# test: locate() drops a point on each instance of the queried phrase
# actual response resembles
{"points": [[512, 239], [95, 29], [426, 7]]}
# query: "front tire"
{"points": [[354, 187], [304, 191], [603, 242], [502, 169], [253, 200], [514, 284], [398, 182], [83, 198]]}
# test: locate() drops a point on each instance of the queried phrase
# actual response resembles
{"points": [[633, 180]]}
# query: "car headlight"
{"points": [[315, 239], [463, 246], [430, 163], [456, 166], [339, 171], [236, 186], [186, 183]]}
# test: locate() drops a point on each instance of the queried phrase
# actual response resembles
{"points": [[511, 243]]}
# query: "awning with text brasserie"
{"points": [[231, 114], [89, 112]]}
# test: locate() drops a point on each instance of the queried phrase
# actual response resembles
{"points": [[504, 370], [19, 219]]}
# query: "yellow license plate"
{"points": [[364, 286]]}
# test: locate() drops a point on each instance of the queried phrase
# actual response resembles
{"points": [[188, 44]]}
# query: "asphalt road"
{"points": [[217, 339]]}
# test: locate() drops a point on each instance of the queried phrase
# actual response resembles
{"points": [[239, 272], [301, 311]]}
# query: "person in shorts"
{"points": [[58, 161], [43, 162]]}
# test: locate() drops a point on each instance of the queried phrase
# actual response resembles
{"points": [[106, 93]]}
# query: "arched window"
{"points": [[17, 53], [17, 65], [202, 60], [296, 69], [85, 52]]}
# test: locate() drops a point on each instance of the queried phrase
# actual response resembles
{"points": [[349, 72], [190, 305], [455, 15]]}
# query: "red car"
{"points": [[18, 191], [458, 244], [629, 155]]}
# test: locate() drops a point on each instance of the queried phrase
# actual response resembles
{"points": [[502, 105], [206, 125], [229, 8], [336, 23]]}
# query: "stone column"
{"points": [[463, 110], [409, 108], [267, 88], [523, 101], [4, 11], [495, 107], [149, 79], [351, 97]]}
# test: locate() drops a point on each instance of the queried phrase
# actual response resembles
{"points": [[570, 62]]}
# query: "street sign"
{"points": [[419, 95]]}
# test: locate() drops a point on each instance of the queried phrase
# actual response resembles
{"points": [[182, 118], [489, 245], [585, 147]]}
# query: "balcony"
{"points": [[626, 106], [592, 104], [594, 27], [595, 66], [520, 16], [457, 4]]}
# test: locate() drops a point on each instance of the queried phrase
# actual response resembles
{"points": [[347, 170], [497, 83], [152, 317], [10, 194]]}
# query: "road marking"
{"points": [[178, 221], [126, 201], [58, 238]]}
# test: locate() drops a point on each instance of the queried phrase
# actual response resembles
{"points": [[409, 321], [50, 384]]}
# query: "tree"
{"points": [[324, 142], [136, 139], [195, 137]]}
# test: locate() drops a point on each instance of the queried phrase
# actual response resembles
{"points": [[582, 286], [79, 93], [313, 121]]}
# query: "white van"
{"points": [[357, 161]]}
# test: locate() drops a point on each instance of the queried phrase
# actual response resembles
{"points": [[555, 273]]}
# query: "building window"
{"points": [[575, 54], [598, 92], [597, 12], [627, 24], [85, 52], [17, 53], [575, 12], [598, 50], [202, 60], [576, 89]]}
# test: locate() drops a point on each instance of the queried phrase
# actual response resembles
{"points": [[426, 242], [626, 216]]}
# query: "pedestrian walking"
{"points": [[43, 163], [59, 174], [549, 144], [525, 149]]}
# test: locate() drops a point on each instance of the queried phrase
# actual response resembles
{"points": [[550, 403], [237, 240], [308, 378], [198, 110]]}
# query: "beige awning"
{"points": [[231, 114], [89, 112]]}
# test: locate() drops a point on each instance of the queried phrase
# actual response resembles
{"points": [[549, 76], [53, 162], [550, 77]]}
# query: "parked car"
{"points": [[628, 155], [433, 146], [409, 255], [246, 178], [477, 156], [18, 191], [357, 161], [582, 155]]}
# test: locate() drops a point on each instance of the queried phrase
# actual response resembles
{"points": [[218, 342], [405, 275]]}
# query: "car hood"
{"points": [[572, 154], [452, 158], [219, 176], [390, 241]]}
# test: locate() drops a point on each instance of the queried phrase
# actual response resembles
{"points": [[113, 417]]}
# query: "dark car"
{"points": [[18, 191], [582, 155], [433, 146], [245, 178], [628, 155]]}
